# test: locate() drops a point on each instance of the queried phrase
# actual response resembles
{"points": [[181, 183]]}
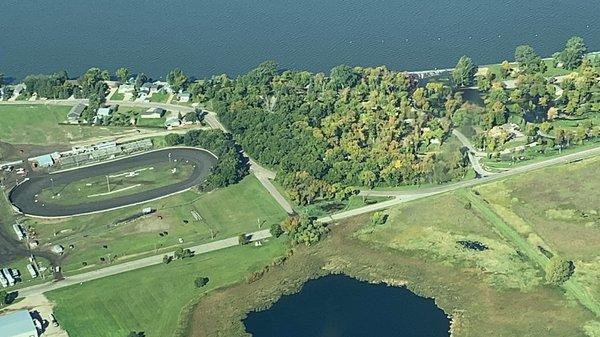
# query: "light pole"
{"points": [[169, 157]]}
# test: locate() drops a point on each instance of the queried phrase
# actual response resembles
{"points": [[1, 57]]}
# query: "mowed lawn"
{"points": [[224, 213], [152, 299], [38, 124], [117, 184]]}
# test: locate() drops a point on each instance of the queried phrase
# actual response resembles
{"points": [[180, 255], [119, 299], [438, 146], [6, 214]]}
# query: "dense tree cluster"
{"points": [[303, 230], [231, 167], [355, 127], [54, 86]]}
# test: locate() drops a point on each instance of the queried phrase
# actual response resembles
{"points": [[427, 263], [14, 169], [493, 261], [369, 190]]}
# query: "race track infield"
{"points": [[24, 195]]}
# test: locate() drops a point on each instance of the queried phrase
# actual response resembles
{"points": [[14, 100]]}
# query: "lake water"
{"points": [[340, 306], [206, 37]]}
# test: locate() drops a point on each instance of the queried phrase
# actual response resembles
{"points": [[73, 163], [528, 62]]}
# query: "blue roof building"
{"points": [[43, 161], [17, 324]]}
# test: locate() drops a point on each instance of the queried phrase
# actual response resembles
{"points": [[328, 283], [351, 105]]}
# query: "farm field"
{"points": [[116, 305], [223, 213], [117, 184], [38, 124]]}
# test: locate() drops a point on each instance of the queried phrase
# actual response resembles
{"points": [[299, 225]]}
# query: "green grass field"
{"points": [[151, 122], [117, 96], [154, 299], [116, 184], [159, 97], [224, 213], [38, 124]]}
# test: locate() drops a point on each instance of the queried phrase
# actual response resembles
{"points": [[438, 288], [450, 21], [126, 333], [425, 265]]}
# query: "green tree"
{"points": [[1, 79], [3, 297], [464, 72], [529, 61], [309, 231], [505, 69], [181, 253], [379, 218], [559, 270], [573, 54], [177, 80], [123, 74], [173, 139], [243, 239], [201, 281], [136, 334], [343, 76], [276, 230]]}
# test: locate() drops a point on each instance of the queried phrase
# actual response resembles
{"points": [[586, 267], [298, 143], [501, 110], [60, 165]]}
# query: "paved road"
{"points": [[133, 265], [474, 154], [404, 196], [264, 175], [23, 195]]}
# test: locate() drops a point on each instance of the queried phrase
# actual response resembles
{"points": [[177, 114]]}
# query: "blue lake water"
{"points": [[339, 306], [231, 36]]}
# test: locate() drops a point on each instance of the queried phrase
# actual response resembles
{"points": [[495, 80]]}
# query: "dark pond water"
{"points": [[206, 37], [340, 306]]}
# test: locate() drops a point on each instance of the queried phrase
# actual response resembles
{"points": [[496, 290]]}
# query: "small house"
{"points": [[184, 97], [154, 113], [126, 89], [104, 112], [145, 88], [75, 113], [172, 122]]}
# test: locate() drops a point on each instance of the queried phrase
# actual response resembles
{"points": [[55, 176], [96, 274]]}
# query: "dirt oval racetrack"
{"points": [[23, 196]]}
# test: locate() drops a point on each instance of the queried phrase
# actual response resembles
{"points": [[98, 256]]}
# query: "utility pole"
{"points": [[108, 183]]}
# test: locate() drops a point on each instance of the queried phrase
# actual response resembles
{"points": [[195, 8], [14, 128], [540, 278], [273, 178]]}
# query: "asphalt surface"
{"points": [[23, 196], [409, 195]]}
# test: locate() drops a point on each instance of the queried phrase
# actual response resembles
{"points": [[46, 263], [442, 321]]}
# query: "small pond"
{"points": [[337, 305]]}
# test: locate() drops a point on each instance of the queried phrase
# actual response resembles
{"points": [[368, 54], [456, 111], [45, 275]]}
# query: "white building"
{"points": [[17, 324]]}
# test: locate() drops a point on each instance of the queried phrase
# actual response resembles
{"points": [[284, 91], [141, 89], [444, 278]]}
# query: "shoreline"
{"points": [[15, 81]]}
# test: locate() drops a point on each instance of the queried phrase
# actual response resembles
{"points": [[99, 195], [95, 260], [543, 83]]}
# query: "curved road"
{"points": [[409, 195], [23, 196]]}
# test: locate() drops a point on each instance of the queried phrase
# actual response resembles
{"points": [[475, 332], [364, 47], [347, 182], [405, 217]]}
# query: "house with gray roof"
{"points": [[75, 113]]}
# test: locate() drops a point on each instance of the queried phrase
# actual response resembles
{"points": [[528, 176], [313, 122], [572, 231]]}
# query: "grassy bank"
{"points": [[151, 299], [99, 239], [427, 245]]}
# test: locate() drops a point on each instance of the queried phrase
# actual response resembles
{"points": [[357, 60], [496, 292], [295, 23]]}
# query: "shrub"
{"points": [[559, 270], [243, 239], [276, 230], [379, 218], [201, 281], [173, 139], [181, 253]]}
